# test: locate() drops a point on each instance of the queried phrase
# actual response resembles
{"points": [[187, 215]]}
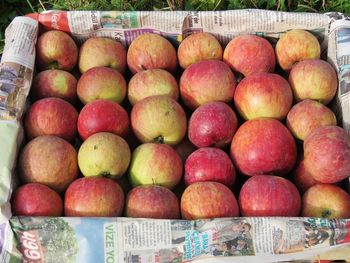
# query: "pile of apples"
{"points": [[192, 141]]}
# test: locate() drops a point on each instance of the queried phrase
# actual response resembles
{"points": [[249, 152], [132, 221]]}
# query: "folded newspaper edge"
{"points": [[39, 239]]}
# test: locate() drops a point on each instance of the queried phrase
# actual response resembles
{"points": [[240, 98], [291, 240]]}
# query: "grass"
{"points": [[11, 8]]}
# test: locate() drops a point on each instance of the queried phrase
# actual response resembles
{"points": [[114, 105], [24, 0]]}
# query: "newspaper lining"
{"points": [[135, 240]]}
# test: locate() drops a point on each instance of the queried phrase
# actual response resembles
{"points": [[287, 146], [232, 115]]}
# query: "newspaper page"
{"points": [[16, 67], [171, 241]]}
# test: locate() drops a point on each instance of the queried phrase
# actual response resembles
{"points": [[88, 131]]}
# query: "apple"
{"points": [[101, 83], [313, 79], [103, 116], [54, 83], [56, 50], [152, 82], [184, 149], [198, 46], [263, 146], [94, 197], [102, 52], [267, 195], [212, 124], [209, 164], [51, 116], [308, 115], [154, 163], [104, 154], [302, 178], [48, 160], [326, 201], [206, 81], [204, 200], [158, 119], [152, 201], [249, 54], [150, 51], [263, 95], [296, 45], [28, 200], [327, 154]]}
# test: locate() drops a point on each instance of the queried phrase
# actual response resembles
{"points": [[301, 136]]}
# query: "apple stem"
{"points": [[159, 139], [326, 214]]}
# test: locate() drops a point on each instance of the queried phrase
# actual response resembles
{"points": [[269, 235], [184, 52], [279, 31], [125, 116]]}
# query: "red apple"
{"points": [[103, 116], [152, 201], [104, 154], [205, 81], [203, 200], [154, 163], [326, 201], [28, 200], [249, 54], [263, 146], [209, 164], [152, 82], [302, 178], [101, 83], [54, 83], [212, 124], [158, 119], [94, 197], [48, 160], [313, 79], [51, 116], [150, 51], [296, 45], [198, 46], [327, 154], [263, 95], [308, 115], [102, 52], [266, 195], [56, 50]]}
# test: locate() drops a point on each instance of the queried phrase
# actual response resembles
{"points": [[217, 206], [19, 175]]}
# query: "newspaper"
{"points": [[170, 241], [26, 239]]}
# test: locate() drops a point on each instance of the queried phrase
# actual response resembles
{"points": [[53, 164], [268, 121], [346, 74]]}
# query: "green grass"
{"points": [[11, 8]]}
